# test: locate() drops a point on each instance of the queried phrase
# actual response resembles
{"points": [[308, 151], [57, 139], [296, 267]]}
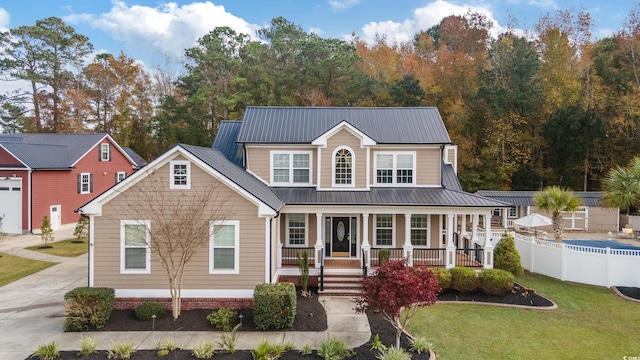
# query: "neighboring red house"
{"points": [[54, 174]]}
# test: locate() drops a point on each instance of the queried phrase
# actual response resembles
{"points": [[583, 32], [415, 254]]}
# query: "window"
{"points": [[105, 152], [291, 168], [120, 175], [395, 168], [135, 253], [297, 229], [513, 212], [384, 230], [419, 230], [223, 247], [85, 183], [343, 168], [496, 212], [180, 174]]}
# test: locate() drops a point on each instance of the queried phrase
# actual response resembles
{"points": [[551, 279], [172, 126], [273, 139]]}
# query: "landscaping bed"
{"points": [[519, 295], [632, 292]]}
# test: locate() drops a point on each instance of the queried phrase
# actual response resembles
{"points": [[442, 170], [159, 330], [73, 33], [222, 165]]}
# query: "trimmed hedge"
{"points": [[274, 306], [463, 279], [506, 256], [147, 309], [443, 276], [495, 281], [86, 306]]}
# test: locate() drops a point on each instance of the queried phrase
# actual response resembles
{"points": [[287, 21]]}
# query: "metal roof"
{"points": [[226, 141], [40, 156], [77, 144], [450, 178], [385, 196], [525, 197], [139, 160], [410, 125], [218, 161]]}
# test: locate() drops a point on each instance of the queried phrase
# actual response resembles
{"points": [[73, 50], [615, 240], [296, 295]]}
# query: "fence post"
{"points": [[563, 262], [606, 264], [532, 245]]}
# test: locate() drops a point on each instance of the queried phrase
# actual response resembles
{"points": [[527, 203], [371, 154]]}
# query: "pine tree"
{"points": [[506, 256], [46, 234], [81, 230]]}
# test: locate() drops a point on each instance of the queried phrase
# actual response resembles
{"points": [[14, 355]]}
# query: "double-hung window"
{"points": [[290, 168], [180, 174], [105, 152], [384, 230], [85, 183], [513, 212], [224, 240], [419, 230], [297, 227], [135, 238], [397, 168]]}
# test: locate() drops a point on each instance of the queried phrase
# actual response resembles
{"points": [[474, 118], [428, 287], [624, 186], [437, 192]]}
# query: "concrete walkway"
{"points": [[32, 312]]}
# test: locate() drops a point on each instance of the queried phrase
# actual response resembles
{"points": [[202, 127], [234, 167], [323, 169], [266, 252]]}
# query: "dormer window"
{"points": [[395, 168], [291, 167], [343, 167]]}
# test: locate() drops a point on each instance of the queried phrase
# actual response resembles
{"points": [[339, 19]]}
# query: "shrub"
{"points": [[87, 306], [228, 342], [306, 350], [443, 276], [393, 353], [203, 350], [376, 344], [47, 351], [147, 309], [223, 318], [495, 281], [121, 350], [274, 305], [303, 265], [383, 256], [506, 256], [463, 279], [267, 351], [88, 345], [420, 344], [334, 349]]}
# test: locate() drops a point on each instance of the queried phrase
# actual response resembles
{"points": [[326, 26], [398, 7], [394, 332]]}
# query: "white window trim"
{"points": [[105, 149], [514, 215], [236, 246], [124, 270], [290, 153], [172, 184], [353, 167], [121, 175], [394, 182], [306, 231], [415, 228], [82, 175], [393, 231]]}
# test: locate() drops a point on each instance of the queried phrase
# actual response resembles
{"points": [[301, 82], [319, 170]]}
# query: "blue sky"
{"points": [[146, 29]]}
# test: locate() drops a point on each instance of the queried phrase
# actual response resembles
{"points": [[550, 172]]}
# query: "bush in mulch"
{"points": [[519, 295]]}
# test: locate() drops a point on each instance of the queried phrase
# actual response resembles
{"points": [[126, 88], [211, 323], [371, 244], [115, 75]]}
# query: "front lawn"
{"points": [[67, 248], [590, 323], [13, 268]]}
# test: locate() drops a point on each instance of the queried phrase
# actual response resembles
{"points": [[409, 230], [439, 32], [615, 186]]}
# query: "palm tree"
{"points": [[622, 187], [555, 200]]}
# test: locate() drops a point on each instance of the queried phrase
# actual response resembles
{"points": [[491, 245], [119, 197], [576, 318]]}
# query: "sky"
{"points": [[147, 29]]}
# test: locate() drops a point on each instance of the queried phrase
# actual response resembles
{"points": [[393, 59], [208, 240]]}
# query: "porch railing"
{"points": [[394, 254], [364, 264], [469, 257], [290, 255], [429, 257]]}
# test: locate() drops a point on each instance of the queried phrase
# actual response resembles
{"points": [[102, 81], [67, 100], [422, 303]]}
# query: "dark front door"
{"points": [[340, 241]]}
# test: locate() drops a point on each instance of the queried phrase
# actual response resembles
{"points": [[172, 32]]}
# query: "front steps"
{"points": [[342, 283]]}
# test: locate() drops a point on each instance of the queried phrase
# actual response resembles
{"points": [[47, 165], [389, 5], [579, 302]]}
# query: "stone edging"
{"points": [[617, 292], [552, 307]]}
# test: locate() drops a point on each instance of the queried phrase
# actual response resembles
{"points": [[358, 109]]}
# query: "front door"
{"points": [[341, 239]]}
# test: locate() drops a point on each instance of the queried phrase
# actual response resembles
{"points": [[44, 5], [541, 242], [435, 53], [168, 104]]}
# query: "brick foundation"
{"points": [[187, 303]]}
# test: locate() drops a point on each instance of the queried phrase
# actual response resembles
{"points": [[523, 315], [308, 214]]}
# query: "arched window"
{"points": [[343, 167]]}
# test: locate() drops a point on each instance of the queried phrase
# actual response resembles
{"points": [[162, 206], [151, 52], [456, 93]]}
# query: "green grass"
{"points": [[13, 268], [63, 248], [590, 323]]}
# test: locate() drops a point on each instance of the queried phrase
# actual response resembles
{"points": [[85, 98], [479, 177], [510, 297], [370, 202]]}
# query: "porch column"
{"points": [[488, 246], [279, 254], [504, 217], [474, 226], [319, 247], [408, 247], [451, 248], [366, 247], [463, 225]]}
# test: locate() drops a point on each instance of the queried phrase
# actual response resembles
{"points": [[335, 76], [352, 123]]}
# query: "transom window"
{"points": [[419, 230], [395, 168], [105, 153], [291, 168], [180, 174], [343, 167], [135, 253], [297, 229], [384, 230], [223, 246]]}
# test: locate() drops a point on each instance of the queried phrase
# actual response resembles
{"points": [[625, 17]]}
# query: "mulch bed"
{"points": [[632, 292], [519, 295]]}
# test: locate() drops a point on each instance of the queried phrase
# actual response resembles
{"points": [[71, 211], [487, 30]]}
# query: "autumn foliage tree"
{"points": [[398, 290]]}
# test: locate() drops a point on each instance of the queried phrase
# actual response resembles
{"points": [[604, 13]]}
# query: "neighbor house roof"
{"points": [[139, 160], [411, 125], [226, 141], [525, 197], [39, 156]]}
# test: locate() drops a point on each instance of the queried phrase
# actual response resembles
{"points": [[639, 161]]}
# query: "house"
{"points": [[591, 216], [340, 183], [53, 174]]}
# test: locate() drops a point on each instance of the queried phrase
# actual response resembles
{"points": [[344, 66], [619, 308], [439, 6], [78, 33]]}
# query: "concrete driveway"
{"points": [[32, 309]]}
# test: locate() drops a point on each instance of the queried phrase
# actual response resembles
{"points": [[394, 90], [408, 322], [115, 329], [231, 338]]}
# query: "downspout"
{"points": [[271, 246], [29, 204], [441, 165]]}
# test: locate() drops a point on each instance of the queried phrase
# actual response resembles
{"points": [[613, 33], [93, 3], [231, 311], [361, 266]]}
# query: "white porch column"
{"points": [[319, 247], [279, 255], [451, 248], [488, 246], [408, 247], [463, 225], [504, 217], [366, 247], [474, 226]]}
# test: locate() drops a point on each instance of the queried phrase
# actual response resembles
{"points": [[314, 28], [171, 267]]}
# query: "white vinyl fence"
{"points": [[581, 264]]}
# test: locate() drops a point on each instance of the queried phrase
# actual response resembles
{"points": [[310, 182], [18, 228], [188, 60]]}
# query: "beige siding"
{"points": [[427, 164], [400, 226], [251, 249], [343, 138], [434, 231], [259, 161], [311, 230]]}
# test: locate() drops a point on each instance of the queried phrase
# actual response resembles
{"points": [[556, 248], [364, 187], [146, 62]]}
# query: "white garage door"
{"points": [[11, 205]]}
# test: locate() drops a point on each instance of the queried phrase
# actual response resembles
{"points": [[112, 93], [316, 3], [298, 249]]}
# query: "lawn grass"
{"points": [[13, 267], [63, 248], [590, 323]]}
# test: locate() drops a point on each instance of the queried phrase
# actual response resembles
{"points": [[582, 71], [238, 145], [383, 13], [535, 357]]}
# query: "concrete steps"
{"points": [[342, 284]]}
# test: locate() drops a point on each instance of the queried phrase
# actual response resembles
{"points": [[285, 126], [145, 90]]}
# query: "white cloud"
{"points": [[339, 5], [169, 28], [4, 20], [317, 31]]}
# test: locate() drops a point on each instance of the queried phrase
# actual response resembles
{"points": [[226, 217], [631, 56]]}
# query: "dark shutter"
{"points": [[99, 152], [79, 183], [109, 152], [116, 177], [90, 183]]}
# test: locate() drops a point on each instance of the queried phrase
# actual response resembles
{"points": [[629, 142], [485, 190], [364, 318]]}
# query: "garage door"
{"points": [[11, 205]]}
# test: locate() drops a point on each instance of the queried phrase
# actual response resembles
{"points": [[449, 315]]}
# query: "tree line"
{"points": [[549, 106]]}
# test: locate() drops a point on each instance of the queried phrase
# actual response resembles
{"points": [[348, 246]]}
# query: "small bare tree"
{"points": [[179, 223]]}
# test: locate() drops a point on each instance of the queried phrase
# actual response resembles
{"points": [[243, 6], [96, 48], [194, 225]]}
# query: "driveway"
{"points": [[32, 309]]}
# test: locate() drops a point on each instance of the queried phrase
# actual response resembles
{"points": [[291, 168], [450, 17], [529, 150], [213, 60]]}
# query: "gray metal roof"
{"points": [[385, 196], [411, 125], [40, 156], [139, 160], [226, 141], [77, 144], [450, 178], [525, 197], [218, 161]]}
